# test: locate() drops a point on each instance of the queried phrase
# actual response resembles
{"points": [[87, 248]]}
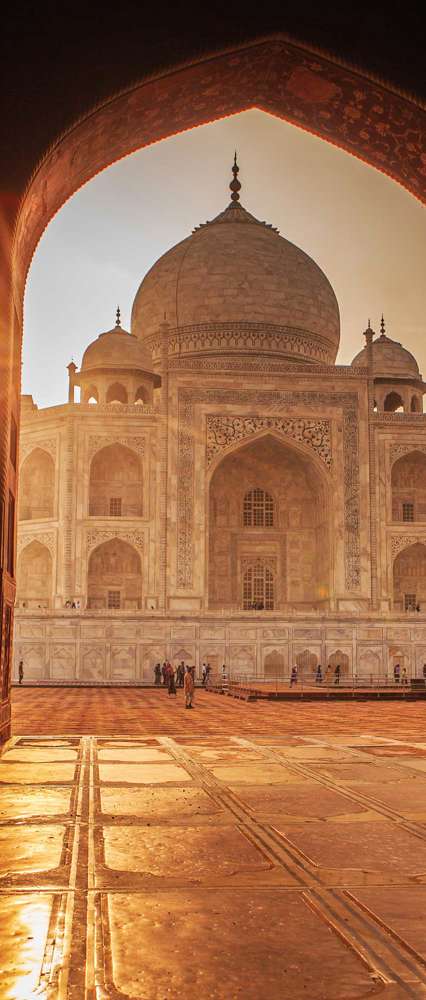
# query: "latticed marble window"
{"points": [[258, 588], [258, 510], [115, 506], [408, 512], [410, 602], [114, 599]]}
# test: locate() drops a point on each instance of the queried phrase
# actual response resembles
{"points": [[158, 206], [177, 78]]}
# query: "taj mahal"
{"points": [[217, 489]]}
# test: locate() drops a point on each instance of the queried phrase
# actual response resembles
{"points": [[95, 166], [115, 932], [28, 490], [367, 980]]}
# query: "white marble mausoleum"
{"points": [[217, 488]]}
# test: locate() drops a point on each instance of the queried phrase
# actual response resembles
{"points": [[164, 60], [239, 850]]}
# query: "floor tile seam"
{"points": [[373, 804], [364, 758], [69, 915], [420, 959], [246, 821], [382, 960]]}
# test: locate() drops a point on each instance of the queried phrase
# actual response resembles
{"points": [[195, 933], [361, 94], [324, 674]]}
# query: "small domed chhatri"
{"points": [[236, 285], [115, 368], [398, 384], [390, 358], [116, 348]]}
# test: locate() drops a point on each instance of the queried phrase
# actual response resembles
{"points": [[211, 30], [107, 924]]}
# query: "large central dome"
{"points": [[235, 285]]}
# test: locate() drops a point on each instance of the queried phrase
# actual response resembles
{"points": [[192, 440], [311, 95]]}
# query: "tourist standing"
{"points": [[157, 673], [188, 686], [337, 673], [404, 678], [293, 676], [318, 675], [171, 679], [396, 673], [21, 671]]}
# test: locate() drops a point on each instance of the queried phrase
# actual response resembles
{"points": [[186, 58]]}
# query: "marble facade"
{"points": [[222, 486]]}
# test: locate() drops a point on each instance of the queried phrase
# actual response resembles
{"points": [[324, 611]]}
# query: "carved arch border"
{"points": [[398, 451], [317, 92], [273, 401], [98, 536], [49, 445]]}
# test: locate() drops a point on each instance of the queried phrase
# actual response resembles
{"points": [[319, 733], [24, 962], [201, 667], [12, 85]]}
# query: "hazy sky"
{"points": [[365, 232]]}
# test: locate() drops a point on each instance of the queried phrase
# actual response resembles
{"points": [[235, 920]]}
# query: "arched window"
{"points": [[258, 587], [91, 395], [114, 576], [416, 404], [116, 393], [37, 486], [393, 403], [115, 488], [141, 395], [34, 577], [258, 509]]}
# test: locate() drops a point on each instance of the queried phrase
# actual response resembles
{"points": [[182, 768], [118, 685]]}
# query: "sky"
{"points": [[366, 233]]}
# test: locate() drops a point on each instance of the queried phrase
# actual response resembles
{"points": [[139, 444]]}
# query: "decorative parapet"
{"points": [[222, 431]]}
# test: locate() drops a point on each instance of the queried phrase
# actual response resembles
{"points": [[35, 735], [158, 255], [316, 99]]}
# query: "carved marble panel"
{"points": [[222, 431]]}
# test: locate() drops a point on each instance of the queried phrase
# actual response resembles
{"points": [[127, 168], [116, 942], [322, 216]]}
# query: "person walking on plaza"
{"points": [[293, 676], [337, 673], [171, 686], [188, 686], [204, 674], [318, 676], [21, 671], [396, 673], [157, 674], [164, 672]]}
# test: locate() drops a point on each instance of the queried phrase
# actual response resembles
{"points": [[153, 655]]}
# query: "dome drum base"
{"points": [[236, 338]]}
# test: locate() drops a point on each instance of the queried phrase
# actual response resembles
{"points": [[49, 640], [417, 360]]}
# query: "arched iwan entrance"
{"points": [[115, 488], [269, 530], [35, 576], [409, 578], [114, 578]]}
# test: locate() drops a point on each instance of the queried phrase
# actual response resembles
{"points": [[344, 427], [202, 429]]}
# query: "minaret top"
{"points": [[235, 184]]}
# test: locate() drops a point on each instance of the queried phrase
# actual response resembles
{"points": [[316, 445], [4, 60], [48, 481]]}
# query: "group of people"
{"points": [[183, 677], [400, 676], [319, 674]]}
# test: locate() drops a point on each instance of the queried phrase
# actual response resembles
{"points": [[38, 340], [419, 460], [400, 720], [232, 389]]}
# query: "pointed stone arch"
{"points": [[409, 577], [116, 482], [295, 549], [37, 486], [35, 575]]}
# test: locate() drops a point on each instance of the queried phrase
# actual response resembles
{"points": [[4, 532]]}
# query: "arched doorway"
{"points": [[34, 577], [274, 664], [114, 578], [409, 487], [115, 488], [269, 531], [37, 485], [409, 578]]}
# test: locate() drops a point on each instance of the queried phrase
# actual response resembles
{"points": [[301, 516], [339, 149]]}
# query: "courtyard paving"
{"points": [[253, 851]]}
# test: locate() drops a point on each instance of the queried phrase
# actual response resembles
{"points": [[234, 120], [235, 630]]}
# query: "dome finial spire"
{"points": [[235, 184], [118, 317], [382, 326]]}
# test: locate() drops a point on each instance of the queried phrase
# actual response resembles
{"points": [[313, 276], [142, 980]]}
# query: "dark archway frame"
{"points": [[341, 105], [315, 91]]}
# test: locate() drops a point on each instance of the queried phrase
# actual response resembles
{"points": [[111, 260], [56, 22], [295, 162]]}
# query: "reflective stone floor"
{"points": [[237, 851]]}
